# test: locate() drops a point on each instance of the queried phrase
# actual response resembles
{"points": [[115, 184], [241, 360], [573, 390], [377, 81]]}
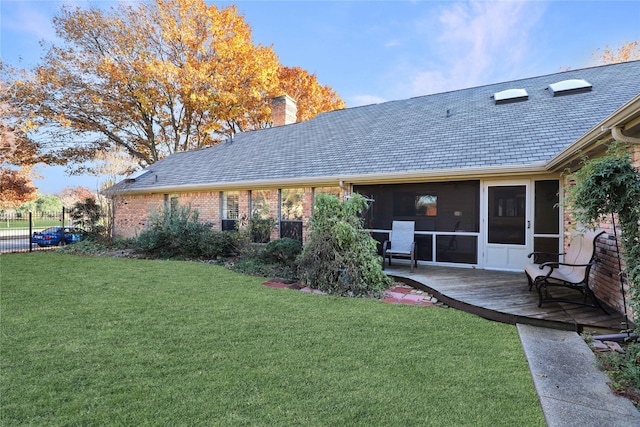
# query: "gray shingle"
{"points": [[412, 135]]}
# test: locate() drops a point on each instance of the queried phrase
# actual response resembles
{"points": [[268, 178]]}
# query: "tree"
{"points": [[17, 156], [152, 79], [43, 204], [629, 51], [71, 196], [311, 97], [88, 215]]}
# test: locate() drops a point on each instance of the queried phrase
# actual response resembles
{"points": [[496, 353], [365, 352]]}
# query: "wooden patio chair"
{"points": [[572, 273], [401, 243]]}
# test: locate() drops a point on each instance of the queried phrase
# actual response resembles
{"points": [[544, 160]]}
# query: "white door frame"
{"points": [[507, 257]]}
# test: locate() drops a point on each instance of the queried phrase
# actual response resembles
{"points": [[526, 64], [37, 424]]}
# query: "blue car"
{"points": [[51, 236]]}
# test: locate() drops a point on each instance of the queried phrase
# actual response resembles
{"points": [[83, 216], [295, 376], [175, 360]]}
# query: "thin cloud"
{"points": [[475, 43], [392, 43], [29, 17]]}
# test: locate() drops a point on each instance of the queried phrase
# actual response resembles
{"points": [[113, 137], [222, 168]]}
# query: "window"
{"points": [[260, 202], [291, 209], [170, 203], [291, 206], [546, 220], [230, 210]]}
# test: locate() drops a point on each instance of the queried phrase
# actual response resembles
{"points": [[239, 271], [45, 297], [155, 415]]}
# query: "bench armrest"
{"points": [[552, 264]]}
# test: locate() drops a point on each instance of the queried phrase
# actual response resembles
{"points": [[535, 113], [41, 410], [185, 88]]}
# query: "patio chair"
{"points": [[401, 243], [572, 273]]}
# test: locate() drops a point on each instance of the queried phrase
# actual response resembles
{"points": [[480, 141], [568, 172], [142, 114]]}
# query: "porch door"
{"points": [[507, 225]]}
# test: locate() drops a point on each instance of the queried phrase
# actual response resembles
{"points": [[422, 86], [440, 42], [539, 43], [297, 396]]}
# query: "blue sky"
{"points": [[375, 51]]}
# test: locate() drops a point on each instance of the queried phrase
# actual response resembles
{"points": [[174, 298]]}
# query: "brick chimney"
{"points": [[283, 110]]}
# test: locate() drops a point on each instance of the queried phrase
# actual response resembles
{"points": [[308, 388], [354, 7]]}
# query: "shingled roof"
{"points": [[463, 130]]}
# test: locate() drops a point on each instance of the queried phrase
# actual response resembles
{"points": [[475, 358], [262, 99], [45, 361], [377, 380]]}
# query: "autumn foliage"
{"points": [[154, 78], [311, 97], [627, 52], [17, 156]]}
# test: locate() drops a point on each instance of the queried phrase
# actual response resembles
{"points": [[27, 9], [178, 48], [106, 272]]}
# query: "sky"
{"points": [[376, 51]]}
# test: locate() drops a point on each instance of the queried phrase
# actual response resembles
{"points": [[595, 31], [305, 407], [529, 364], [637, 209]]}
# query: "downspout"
{"points": [[345, 189], [616, 133]]}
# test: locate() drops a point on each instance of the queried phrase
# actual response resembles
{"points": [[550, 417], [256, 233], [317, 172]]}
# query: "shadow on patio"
{"points": [[504, 297]]}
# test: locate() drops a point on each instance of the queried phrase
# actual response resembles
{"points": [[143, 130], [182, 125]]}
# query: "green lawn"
{"points": [[104, 341], [23, 223]]}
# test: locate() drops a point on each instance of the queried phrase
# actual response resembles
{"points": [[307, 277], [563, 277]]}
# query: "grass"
{"points": [[23, 224], [104, 341]]}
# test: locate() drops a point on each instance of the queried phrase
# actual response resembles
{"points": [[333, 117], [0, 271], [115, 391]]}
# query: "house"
{"points": [[479, 170]]}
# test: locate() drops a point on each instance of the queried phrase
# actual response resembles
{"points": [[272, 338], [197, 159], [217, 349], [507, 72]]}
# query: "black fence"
{"points": [[27, 232]]}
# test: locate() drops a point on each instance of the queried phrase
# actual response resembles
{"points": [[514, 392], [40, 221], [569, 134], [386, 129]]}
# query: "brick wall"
{"points": [[207, 204], [132, 212]]}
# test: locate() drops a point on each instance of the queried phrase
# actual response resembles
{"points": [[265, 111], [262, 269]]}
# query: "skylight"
{"points": [[566, 87], [510, 95]]}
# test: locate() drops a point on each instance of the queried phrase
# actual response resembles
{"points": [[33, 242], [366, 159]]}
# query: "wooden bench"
{"points": [[572, 273]]}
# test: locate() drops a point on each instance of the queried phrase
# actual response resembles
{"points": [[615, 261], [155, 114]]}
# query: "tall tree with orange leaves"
{"points": [[18, 154], [148, 78]]}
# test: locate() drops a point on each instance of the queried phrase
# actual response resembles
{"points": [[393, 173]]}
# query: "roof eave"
{"points": [[335, 180]]}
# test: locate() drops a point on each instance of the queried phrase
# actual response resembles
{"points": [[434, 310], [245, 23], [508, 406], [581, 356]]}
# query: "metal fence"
{"points": [[16, 229]]}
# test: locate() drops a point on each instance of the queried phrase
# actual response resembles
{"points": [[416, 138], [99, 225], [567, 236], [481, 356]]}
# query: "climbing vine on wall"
{"points": [[611, 185]]}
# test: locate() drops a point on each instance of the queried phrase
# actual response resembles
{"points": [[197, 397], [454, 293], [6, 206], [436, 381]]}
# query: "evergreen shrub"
{"points": [[340, 257], [175, 232]]}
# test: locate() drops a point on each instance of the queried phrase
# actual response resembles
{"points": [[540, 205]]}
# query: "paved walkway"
{"points": [[572, 391]]}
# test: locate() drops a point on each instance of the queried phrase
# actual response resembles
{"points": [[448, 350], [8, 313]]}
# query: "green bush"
{"points": [[260, 228], [623, 369], [340, 258], [275, 259], [282, 251], [176, 233], [257, 267], [214, 244]]}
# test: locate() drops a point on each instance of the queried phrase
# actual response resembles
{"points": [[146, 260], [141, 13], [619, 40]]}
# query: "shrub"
{"points": [[258, 267], [340, 258], [176, 232], [282, 251], [219, 244], [260, 228], [624, 370], [275, 259]]}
